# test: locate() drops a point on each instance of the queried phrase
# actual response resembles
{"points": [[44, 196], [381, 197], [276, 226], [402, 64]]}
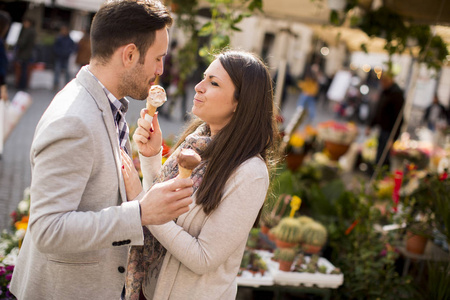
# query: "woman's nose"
{"points": [[199, 87]]}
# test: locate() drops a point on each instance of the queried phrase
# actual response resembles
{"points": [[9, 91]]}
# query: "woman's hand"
{"points": [[130, 176], [148, 136]]}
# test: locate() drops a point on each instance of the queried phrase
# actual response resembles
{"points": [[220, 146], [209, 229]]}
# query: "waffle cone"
{"points": [[183, 172], [151, 109]]}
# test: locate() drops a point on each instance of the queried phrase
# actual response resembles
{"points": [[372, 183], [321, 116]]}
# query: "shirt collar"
{"points": [[115, 103]]}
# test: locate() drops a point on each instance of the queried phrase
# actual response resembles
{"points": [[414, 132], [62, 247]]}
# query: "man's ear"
{"points": [[130, 54]]}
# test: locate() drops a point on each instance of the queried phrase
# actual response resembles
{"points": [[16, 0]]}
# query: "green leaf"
{"points": [[206, 29]]}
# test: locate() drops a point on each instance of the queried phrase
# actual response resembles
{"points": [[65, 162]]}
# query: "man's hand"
{"points": [[148, 136], [166, 201]]}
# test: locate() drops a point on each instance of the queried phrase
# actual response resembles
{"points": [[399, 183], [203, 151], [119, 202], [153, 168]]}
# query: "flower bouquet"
{"points": [[337, 137]]}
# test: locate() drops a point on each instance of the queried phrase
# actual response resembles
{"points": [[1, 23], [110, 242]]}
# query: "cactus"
{"points": [[304, 220], [245, 259], [287, 254], [288, 230], [276, 254], [314, 233], [322, 269]]}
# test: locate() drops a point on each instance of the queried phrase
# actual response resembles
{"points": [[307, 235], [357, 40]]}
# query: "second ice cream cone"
{"points": [[184, 173], [188, 160]]}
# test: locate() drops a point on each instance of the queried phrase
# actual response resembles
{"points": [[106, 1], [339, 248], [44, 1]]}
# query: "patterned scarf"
{"points": [[144, 261]]}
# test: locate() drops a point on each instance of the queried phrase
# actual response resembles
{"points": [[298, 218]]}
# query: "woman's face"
{"points": [[214, 101]]}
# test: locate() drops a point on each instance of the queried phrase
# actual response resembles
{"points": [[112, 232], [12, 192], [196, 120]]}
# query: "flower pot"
{"points": [[283, 244], [415, 243], [271, 236], [311, 249], [285, 265], [336, 150], [294, 161], [265, 229]]}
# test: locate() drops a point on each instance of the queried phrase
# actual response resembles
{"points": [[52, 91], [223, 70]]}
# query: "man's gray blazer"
{"points": [[80, 225]]}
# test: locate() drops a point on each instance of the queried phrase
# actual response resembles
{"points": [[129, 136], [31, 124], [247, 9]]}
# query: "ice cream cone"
{"points": [[184, 173], [188, 160], [151, 109]]}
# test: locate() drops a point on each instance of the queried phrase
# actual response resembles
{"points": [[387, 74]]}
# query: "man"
{"points": [[24, 54], [62, 49], [81, 224], [388, 110], [435, 114]]}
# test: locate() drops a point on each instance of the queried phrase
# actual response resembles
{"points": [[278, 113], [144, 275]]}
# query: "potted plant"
{"points": [[300, 143], [418, 208], [299, 262], [253, 238], [288, 233], [314, 237], [270, 220], [262, 266], [417, 237], [304, 220], [337, 137], [286, 258]]}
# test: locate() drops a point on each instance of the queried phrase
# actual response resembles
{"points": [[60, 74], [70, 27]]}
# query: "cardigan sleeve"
{"points": [[150, 167], [226, 228]]}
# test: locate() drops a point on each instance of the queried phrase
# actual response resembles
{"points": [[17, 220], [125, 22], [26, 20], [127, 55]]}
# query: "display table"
{"points": [[432, 253], [296, 282]]}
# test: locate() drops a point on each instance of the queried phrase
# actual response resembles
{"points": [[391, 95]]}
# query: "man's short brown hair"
{"points": [[121, 22]]}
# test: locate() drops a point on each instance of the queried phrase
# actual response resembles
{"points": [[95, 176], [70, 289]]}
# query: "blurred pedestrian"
{"points": [[5, 21], [24, 51], [64, 46], [435, 114], [389, 109], [84, 50], [308, 95]]}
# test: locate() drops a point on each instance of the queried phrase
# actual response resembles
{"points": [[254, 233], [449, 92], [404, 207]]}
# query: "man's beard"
{"points": [[130, 83]]}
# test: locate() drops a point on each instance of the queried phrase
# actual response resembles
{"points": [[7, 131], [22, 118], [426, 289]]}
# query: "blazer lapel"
{"points": [[99, 96]]}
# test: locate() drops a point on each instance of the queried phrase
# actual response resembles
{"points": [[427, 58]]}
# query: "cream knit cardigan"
{"points": [[204, 252]]}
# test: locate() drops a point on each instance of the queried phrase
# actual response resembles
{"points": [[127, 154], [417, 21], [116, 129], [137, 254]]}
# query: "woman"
{"points": [[234, 133]]}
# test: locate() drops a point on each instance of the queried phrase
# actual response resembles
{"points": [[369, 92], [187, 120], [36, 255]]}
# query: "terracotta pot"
{"points": [[283, 244], [294, 161], [271, 236], [415, 243], [265, 229], [311, 249], [285, 265], [336, 150]]}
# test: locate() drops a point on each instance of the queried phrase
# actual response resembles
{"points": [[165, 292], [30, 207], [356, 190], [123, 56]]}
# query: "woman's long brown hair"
{"points": [[250, 132]]}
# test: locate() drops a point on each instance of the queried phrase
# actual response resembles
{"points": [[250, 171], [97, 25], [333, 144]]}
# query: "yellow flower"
{"points": [[295, 205], [297, 140], [22, 224]]}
